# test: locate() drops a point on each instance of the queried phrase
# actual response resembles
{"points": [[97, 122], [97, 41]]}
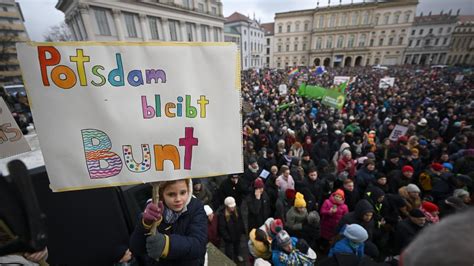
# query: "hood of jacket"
{"points": [[362, 207]]}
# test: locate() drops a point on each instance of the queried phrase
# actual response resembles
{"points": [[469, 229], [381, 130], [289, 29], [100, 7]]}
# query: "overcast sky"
{"points": [[40, 15]]}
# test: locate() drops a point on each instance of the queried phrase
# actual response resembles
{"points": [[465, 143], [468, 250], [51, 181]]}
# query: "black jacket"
{"points": [[230, 230], [258, 210], [356, 216], [405, 232]]}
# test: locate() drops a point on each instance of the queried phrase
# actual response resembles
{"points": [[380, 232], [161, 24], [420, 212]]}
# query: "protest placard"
{"points": [[341, 79], [386, 82], [459, 78], [397, 132], [333, 98], [110, 114], [283, 89], [12, 141]]}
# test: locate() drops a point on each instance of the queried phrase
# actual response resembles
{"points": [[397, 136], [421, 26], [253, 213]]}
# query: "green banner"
{"points": [[333, 98], [312, 92]]}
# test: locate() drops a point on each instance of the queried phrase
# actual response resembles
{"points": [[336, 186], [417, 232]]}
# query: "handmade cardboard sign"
{"points": [[397, 132], [110, 114], [341, 79], [386, 82], [12, 141]]}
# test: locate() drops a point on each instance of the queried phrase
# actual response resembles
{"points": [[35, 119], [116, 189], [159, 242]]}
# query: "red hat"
{"points": [[407, 168], [276, 226], [403, 138], [437, 167], [339, 192], [430, 207], [290, 193], [258, 183]]}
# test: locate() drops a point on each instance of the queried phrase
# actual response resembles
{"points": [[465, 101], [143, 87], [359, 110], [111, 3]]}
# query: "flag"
{"points": [[333, 98], [292, 72], [311, 92], [320, 70]]}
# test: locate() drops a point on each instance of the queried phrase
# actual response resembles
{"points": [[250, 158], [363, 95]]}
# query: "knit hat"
{"points": [[413, 188], [339, 192], [423, 142], [460, 193], [299, 201], [448, 166], [380, 175], [430, 207], [463, 178], [407, 168], [283, 239], [403, 139], [196, 181], [290, 193], [229, 202], [393, 155], [371, 155], [355, 233], [416, 213], [455, 202], [313, 217], [276, 226], [437, 167], [423, 122], [258, 183], [415, 151], [208, 210]]}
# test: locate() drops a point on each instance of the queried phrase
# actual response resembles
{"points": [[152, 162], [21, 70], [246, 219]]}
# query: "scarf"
{"points": [[171, 216]]}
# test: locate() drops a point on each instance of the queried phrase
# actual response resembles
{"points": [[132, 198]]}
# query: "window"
{"points": [[421, 32], [288, 28], [319, 43], [204, 31], [306, 27], [268, 41], [189, 32], [413, 32], [245, 32], [355, 17], [186, 3], [214, 10], [287, 47], [279, 29], [304, 46], [201, 7], [332, 22], [418, 43], [445, 41], [344, 20], [400, 41], [329, 42], [268, 50], [130, 23], [173, 30], [296, 47], [297, 27], [396, 18], [449, 29], [436, 41], [321, 21], [410, 43], [407, 17], [377, 19], [371, 42], [386, 18], [5, 9], [390, 41], [350, 42], [431, 31], [365, 20], [216, 34], [279, 48], [427, 42], [102, 23], [380, 41], [152, 21], [340, 41], [440, 30], [362, 40]]}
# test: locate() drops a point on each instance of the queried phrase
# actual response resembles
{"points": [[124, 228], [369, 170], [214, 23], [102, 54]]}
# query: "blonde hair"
{"points": [[163, 185]]}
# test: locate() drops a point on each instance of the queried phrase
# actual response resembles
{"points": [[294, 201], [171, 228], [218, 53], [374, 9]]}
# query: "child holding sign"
{"points": [[181, 235]]}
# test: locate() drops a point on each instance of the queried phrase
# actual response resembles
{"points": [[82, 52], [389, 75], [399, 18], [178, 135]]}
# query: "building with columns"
{"points": [[144, 20], [430, 39], [462, 46], [269, 29], [251, 39], [366, 33]]}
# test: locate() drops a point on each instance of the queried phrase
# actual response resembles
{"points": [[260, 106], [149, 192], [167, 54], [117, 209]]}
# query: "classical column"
{"points": [[84, 13], [118, 24], [145, 35], [198, 32], [184, 35], [208, 6], [166, 29]]}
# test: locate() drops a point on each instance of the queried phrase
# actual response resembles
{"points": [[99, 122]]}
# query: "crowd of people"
{"points": [[19, 107], [323, 181]]}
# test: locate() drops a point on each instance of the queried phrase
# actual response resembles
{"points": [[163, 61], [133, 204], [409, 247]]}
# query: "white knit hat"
{"points": [[208, 210], [229, 202], [356, 233]]}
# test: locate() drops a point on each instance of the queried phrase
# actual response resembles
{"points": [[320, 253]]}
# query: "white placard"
{"points": [[110, 114], [264, 174], [459, 78], [386, 82], [12, 141], [283, 89], [340, 79], [397, 132]]}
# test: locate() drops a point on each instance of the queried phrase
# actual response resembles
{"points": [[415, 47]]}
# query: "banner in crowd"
{"points": [[12, 141], [397, 132], [386, 82], [459, 78], [283, 89], [334, 98], [341, 79], [110, 114]]}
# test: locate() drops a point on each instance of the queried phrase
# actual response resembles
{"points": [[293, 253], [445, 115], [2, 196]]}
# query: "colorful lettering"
{"points": [[117, 72], [134, 166], [135, 74], [166, 152], [203, 102], [188, 142], [79, 59], [55, 58], [155, 74], [148, 111], [168, 106], [95, 72], [190, 110]]}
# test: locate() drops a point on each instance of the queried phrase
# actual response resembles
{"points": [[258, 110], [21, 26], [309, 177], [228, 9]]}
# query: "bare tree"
{"points": [[58, 33]]}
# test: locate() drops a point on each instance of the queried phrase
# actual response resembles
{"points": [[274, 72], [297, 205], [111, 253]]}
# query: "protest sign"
{"points": [[283, 89], [341, 79], [12, 141], [459, 78], [110, 114], [386, 82], [397, 132], [333, 98]]}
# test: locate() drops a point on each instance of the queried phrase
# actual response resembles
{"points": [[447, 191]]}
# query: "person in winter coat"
{"points": [[347, 164], [399, 179], [407, 230], [307, 163], [429, 177], [259, 245], [258, 205], [314, 184], [463, 195], [431, 212], [285, 180], [231, 228], [181, 234], [395, 209], [272, 227], [411, 194], [296, 216], [212, 228], [375, 196], [286, 253], [365, 175], [284, 203], [445, 186], [233, 187], [381, 182], [352, 243], [200, 191], [321, 150], [362, 215], [351, 194], [332, 211], [251, 172]]}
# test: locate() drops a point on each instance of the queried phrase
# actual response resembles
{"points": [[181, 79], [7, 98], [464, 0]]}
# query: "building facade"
{"points": [[269, 29], [252, 39], [144, 20], [12, 30], [344, 35], [462, 46], [430, 39]]}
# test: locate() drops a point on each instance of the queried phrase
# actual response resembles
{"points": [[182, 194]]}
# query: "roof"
{"points": [[438, 19], [236, 16], [269, 28], [467, 18]]}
